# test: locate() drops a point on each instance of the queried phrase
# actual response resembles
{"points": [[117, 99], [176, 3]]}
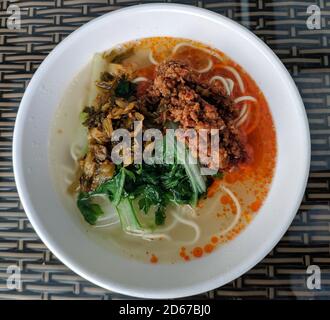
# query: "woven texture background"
{"points": [[282, 25]]}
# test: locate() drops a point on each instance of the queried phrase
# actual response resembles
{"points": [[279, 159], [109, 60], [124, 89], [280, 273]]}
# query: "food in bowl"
{"points": [[175, 149]]}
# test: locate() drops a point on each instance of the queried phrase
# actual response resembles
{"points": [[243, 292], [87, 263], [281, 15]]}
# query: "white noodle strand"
{"points": [[188, 209], [243, 115], [69, 175], [140, 79], [237, 76], [242, 118], [194, 225], [155, 236], [207, 68], [152, 59], [237, 215], [244, 111], [105, 225], [187, 44], [75, 152], [147, 235], [223, 81], [170, 227], [230, 84], [245, 98]]}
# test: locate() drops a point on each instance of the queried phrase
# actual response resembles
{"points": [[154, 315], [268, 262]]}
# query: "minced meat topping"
{"points": [[178, 95]]}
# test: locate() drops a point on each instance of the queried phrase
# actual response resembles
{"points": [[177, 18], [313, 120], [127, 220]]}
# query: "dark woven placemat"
{"points": [[282, 25]]}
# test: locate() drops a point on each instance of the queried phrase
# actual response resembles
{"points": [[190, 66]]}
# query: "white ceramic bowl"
{"points": [[63, 233]]}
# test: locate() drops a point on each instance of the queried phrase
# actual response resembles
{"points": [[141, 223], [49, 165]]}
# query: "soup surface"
{"points": [[232, 198]]}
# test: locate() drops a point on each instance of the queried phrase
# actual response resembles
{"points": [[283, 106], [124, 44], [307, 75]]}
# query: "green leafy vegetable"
{"points": [[149, 195], [160, 216], [83, 117], [149, 186], [125, 88], [218, 175], [127, 216], [90, 211], [114, 187]]}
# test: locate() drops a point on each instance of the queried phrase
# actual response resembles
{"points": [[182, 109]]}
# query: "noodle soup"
{"points": [[185, 83]]}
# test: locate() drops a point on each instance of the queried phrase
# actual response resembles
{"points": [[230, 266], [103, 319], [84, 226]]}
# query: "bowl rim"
{"points": [[191, 289]]}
